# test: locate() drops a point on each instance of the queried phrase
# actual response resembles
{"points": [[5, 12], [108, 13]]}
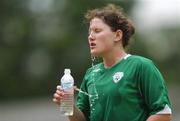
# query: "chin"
{"points": [[94, 53]]}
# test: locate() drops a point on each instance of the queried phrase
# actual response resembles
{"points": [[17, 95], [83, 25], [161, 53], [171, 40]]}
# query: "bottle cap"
{"points": [[67, 71]]}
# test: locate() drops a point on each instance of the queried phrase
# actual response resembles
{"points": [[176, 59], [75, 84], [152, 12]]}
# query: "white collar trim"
{"points": [[128, 55]]}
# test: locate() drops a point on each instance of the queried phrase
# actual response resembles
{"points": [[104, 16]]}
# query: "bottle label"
{"points": [[67, 85]]}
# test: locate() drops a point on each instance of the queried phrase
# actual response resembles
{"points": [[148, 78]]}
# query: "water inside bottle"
{"points": [[67, 103]]}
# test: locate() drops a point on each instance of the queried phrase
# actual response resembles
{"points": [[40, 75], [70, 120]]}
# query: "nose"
{"points": [[91, 36]]}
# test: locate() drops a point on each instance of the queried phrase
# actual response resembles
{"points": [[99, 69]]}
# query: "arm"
{"points": [[159, 117], [78, 115], [155, 93]]}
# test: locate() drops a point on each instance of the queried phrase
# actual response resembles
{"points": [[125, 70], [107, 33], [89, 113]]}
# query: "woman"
{"points": [[129, 87]]}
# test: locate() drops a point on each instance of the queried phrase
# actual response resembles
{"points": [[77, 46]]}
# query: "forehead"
{"points": [[97, 22]]}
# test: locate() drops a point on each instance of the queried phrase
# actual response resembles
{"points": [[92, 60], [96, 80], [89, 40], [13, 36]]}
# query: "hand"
{"points": [[58, 95]]}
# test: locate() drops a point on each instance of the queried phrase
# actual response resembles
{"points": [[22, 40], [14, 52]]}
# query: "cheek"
{"points": [[106, 40], [104, 45]]}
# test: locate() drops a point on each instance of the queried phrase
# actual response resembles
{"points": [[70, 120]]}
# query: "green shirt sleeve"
{"points": [[153, 87]]}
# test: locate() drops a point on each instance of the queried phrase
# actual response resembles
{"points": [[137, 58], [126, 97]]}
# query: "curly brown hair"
{"points": [[114, 17]]}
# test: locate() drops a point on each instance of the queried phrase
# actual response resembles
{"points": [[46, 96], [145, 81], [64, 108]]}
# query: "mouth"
{"points": [[92, 45]]}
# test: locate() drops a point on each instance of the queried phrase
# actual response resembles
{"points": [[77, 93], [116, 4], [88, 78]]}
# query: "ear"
{"points": [[118, 35]]}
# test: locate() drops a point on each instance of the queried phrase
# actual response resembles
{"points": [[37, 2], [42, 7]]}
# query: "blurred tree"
{"points": [[39, 38]]}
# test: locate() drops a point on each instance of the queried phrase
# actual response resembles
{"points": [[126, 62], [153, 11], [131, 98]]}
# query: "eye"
{"points": [[94, 30], [97, 30]]}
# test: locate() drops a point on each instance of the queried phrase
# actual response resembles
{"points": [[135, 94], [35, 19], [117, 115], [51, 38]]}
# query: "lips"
{"points": [[92, 45]]}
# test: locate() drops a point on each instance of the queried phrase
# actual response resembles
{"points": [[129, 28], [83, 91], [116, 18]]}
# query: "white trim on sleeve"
{"points": [[166, 110]]}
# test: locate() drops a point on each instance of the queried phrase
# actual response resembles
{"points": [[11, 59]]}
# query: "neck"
{"points": [[113, 58]]}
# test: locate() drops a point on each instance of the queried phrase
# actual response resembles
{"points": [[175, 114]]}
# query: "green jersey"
{"points": [[131, 90]]}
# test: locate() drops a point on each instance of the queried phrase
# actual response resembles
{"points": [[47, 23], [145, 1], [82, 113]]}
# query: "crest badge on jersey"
{"points": [[117, 76]]}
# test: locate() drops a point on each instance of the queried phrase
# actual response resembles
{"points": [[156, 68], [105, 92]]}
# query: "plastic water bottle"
{"points": [[67, 84]]}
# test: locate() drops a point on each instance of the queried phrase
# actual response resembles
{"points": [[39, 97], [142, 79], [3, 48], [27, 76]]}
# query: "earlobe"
{"points": [[118, 35]]}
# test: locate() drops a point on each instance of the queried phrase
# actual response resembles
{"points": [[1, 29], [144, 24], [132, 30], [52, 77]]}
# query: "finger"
{"points": [[61, 93], [59, 87], [56, 101], [57, 96]]}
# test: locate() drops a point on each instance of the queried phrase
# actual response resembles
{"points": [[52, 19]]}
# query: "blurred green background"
{"points": [[39, 38]]}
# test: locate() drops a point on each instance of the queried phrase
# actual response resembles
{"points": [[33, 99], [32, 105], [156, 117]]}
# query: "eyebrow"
{"points": [[94, 28]]}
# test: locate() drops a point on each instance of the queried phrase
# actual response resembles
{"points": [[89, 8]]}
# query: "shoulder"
{"points": [[140, 60], [145, 65]]}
